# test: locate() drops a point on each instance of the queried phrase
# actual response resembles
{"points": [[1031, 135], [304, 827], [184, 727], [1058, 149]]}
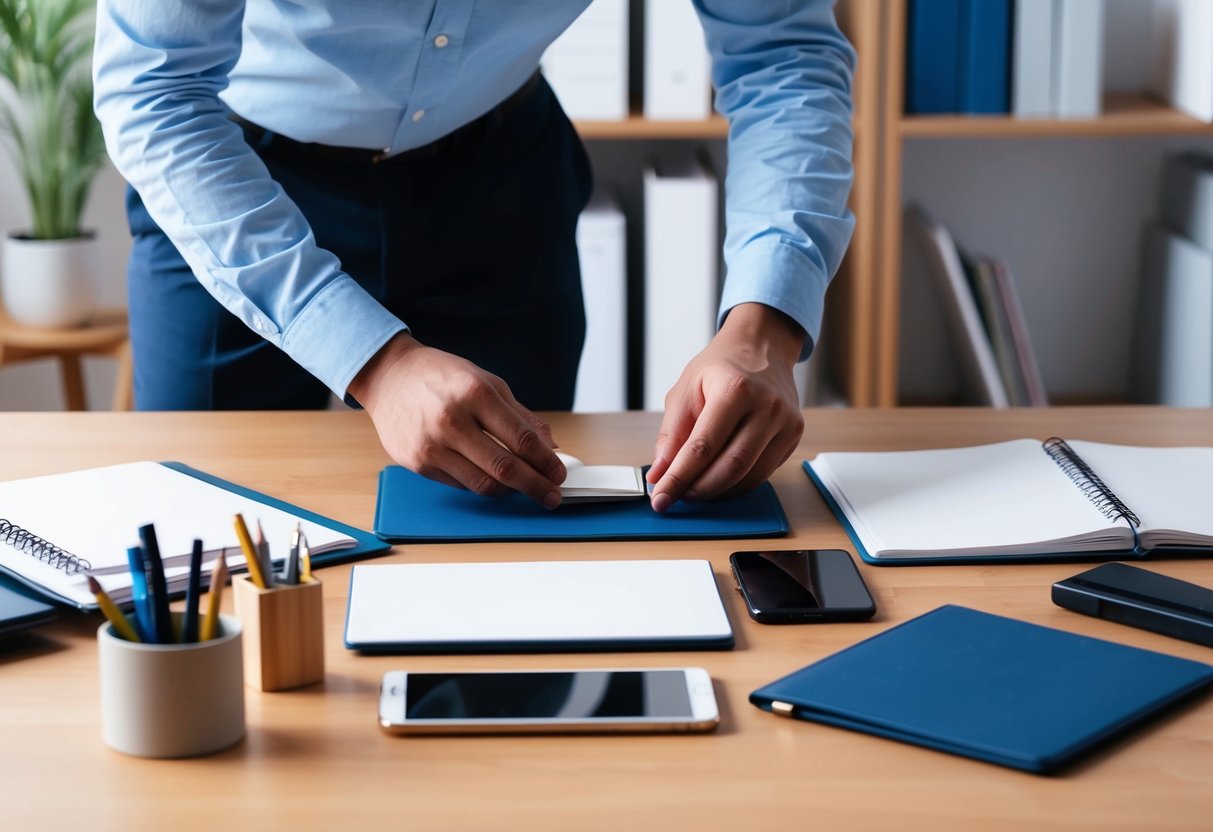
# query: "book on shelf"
{"points": [[1181, 49], [677, 67], [681, 255], [602, 250], [1174, 337], [1187, 195], [958, 56], [994, 290], [587, 66], [1057, 64], [1032, 70], [1020, 500], [972, 343], [1078, 58]]}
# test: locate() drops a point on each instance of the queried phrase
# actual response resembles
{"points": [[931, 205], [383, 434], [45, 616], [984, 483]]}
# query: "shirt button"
{"points": [[419, 115], [441, 41], [259, 324]]}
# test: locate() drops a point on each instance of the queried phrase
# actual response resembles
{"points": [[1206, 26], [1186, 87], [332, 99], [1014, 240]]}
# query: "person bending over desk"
{"points": [[379, 198]]}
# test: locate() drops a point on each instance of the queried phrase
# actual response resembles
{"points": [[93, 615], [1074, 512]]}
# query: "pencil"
{"points": [[189, 620], [250, 552], [116, 617], [210, 625], [263, 551]]}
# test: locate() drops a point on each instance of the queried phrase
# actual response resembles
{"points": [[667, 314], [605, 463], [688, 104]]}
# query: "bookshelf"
{"points": [[1124, 115], [848, 343]]}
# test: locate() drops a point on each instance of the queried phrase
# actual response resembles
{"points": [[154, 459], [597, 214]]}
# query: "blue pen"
{"points": [[143, 610]]}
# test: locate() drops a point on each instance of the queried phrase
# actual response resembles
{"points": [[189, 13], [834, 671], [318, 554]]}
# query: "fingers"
{"points": [[511, 449], [710, 434], [675, 427]]}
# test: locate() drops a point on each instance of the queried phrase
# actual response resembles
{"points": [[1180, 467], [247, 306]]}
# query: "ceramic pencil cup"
{"points": [[172, 700], [283, 633]]}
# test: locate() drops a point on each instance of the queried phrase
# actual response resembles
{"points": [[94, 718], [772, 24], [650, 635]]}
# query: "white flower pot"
{"points": [[50, 283]]}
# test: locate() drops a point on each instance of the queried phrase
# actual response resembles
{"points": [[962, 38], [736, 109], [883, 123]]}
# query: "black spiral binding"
{"points": [[1095, 489], [43, 550]]}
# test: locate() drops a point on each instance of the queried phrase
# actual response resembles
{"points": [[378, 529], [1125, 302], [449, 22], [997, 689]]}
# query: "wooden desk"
{"points": [[315, 759]]}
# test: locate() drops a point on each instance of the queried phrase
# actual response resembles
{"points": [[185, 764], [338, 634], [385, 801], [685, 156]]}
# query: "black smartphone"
{"points": [[802, 585], [1140, 598]]}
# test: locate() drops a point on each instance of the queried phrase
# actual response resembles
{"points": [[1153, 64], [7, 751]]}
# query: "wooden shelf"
{"points": [[1123, 115], [639, 127]]}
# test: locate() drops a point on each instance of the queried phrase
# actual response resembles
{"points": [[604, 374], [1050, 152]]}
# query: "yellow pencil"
{"points": [[210, 624], [116, 617], [250, 553]]}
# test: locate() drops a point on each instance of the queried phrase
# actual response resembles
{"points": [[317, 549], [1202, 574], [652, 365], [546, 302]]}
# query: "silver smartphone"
{"points": [[548, 701]]}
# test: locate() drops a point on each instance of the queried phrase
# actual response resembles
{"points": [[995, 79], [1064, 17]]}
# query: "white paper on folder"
{"points": [[432, 605]]}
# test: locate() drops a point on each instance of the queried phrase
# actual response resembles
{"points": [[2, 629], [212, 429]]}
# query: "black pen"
{"points": [[157, 586], [189, 622]]}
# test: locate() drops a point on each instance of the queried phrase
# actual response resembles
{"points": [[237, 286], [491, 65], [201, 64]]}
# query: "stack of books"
{"points": [[988, 326], [1028, 57]]}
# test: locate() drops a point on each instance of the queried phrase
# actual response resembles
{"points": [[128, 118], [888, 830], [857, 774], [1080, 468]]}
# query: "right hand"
{"points": [[448, 420]]}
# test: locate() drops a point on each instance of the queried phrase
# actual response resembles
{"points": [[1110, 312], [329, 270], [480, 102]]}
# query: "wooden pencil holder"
{"points": [[283, 634]]}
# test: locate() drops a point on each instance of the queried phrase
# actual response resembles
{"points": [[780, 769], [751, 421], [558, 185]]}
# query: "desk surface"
{"points": [[315, 758]]}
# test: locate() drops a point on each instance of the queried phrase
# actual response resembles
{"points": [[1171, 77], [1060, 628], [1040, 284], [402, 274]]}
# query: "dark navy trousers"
{"points": [[472, 246]]}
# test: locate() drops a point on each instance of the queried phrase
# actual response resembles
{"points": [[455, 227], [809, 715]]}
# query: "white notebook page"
{"points": [[1008, 497], [96, 514]]}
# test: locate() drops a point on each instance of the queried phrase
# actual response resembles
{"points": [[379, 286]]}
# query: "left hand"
{"points": [[733, 416]]}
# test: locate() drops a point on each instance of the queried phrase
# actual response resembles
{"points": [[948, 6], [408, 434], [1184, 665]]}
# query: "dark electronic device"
{"points": [[1140, 598], [804, 585]]}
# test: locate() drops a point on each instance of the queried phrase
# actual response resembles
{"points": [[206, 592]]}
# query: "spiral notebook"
{"points": [[57, 530], [1020, 500]]}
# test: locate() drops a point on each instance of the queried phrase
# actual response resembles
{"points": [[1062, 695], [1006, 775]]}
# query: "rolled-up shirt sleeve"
{"points": [[158, 70], [782, 73]]}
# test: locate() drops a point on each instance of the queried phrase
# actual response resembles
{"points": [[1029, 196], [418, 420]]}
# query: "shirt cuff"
{"points": [[339, 330], [778, 275]]}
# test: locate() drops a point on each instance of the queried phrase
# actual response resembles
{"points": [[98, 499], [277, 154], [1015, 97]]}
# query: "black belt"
{"points": [[256, 135]]}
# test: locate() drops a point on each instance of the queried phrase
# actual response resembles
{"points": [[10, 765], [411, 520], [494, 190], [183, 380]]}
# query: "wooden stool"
{"points": [[106, 334]]}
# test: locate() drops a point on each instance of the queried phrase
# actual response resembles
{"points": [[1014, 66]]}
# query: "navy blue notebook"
{"points": [[987, 687], [413, 508]]}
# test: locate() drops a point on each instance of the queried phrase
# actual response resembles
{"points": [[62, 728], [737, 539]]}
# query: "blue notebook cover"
{"points": [[987, 687], [413, 508], [933, 56], [19, 609], [985, 62]]}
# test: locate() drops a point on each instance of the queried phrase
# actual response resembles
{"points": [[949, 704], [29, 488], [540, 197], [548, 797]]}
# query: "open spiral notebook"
{"points": [[1020, 500], [57, 530]]}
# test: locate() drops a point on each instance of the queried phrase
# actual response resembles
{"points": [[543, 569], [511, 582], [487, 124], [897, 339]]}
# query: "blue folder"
{"points": [[987, 687], [985, 60], [933, 56], [413, 508]]}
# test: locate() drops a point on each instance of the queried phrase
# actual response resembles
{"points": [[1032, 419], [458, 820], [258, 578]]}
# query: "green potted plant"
{"points": [[49, 271]]}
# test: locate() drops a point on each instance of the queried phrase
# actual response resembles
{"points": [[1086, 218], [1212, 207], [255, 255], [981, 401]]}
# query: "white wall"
{"points": [[36, 385]]}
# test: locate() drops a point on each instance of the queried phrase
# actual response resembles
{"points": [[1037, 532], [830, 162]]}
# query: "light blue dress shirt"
{"points": [[398, 74]]}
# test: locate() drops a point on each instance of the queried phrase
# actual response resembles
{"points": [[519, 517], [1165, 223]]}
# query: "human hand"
{"points": [[448, 420], [733, 416]]}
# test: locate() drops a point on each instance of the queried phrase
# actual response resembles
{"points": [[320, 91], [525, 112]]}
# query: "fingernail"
{"points": [[551, 500], [661, 502]]}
